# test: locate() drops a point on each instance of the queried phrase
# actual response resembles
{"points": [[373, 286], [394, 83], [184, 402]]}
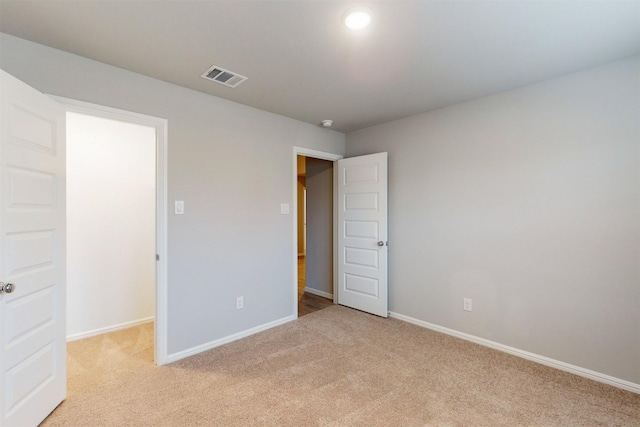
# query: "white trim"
{"points": [[307, 152], [543, 360], [106, 330], [335, 232], [161, 126], [161, 332], [319, 293], [217, 343]]}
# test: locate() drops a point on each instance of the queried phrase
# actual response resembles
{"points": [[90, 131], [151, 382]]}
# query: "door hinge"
{"points": [[157, 257]]}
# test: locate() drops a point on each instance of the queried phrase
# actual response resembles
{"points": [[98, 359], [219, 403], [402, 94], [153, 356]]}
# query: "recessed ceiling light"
{"points": [[357, 19]]}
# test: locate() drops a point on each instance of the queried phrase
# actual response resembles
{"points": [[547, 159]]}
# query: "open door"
{"points": [[362, 233], [32, 254]]}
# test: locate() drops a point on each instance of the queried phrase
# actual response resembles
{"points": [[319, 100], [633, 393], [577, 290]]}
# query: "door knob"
{"points": [[8, 288], [380, 243]]}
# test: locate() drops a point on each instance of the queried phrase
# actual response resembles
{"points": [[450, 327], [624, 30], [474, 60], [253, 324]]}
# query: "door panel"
{"points": [[32, 254], [362, 224]]}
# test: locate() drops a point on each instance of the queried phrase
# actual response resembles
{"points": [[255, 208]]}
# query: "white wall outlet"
{"points": [[239, 303], [467, 304], [179, 208], [284, 208]]}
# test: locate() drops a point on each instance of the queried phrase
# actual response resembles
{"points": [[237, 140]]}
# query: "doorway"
{"points": [[118, 214], [314, 230], [360, 242], [110, 225], [34, 232]]}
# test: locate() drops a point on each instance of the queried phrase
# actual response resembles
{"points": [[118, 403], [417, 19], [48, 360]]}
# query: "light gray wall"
{"points": [[528, 202], [231, 164], [319, 225]]}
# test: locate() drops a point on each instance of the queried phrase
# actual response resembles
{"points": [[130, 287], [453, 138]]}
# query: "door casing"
{"points": [[307, 152], [160, 125]]}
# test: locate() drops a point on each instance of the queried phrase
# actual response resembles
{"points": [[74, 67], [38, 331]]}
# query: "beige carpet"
{"points": [[334, 367]]}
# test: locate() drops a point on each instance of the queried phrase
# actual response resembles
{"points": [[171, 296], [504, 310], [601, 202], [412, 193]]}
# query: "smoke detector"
{"points": [[222, 76], [327, 123]]}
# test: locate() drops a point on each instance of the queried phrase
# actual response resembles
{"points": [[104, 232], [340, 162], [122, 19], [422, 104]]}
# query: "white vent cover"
{"points": [[222, 76]]}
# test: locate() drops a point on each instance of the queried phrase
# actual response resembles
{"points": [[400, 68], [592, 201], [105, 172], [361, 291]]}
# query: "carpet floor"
{"points": [[334, 367]]}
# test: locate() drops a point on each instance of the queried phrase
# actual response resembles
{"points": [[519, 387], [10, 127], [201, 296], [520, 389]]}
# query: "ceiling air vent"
{"points": [[222, 76]]}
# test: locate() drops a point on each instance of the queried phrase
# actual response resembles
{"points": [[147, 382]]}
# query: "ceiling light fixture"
{"points": [[327, 123], [357, 19]]}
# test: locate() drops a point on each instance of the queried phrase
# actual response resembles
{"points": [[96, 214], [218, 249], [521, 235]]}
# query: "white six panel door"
{"points": [[362, 233], [32, 254]]}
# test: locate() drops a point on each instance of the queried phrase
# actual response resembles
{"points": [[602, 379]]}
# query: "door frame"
{"points": [[322, 155], [160, 125]]}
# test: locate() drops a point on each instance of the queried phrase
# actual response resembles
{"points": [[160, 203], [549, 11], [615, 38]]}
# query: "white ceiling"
{"points": [[303, 63]]}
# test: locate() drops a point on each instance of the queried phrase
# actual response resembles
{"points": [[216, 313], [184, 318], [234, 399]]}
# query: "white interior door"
{"points": [[32, 254], [362, 233]]}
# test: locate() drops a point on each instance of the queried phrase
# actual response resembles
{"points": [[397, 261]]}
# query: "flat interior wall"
{"points": [[319, 184], [110, 224], [527, 202], [230, 164]]}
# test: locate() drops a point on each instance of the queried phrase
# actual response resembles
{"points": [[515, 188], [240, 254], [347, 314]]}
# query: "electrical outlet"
{"points": [[239, 303], [467, 304]]}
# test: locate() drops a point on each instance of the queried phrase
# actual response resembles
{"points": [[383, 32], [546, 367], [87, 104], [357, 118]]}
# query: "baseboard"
{"points": [[217, 343], [319, 293], [543, 360], [106, 330]]}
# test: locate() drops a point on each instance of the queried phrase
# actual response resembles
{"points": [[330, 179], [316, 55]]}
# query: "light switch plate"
{"points": [[179, 210], [284, 208]]}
